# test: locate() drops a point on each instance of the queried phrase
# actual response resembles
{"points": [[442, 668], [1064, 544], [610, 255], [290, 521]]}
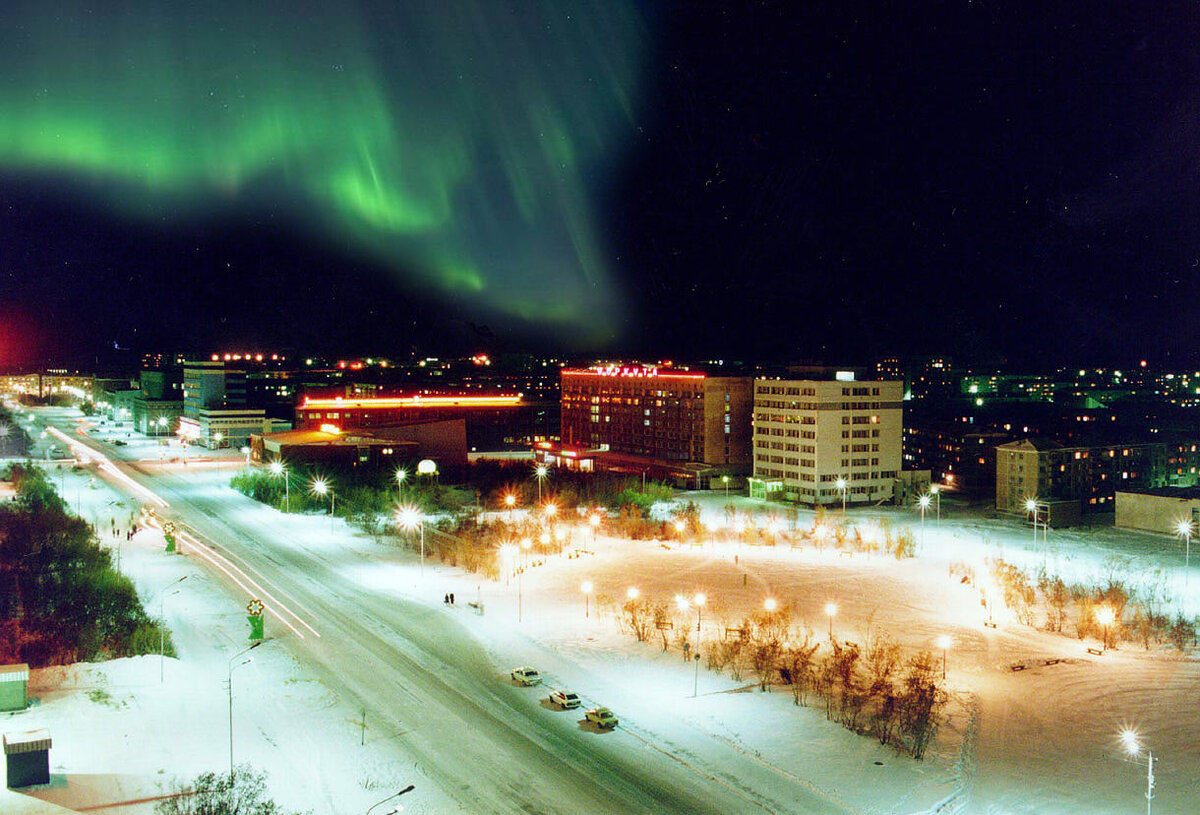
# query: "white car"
{"points": [[526, 676], [565, 699], [601, 717]]}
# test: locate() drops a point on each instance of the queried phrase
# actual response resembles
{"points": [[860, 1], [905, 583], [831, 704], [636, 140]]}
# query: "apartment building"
{"points": [[817, 441]]}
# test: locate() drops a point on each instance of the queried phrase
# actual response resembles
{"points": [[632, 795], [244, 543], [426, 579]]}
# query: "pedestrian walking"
{"points": [[451, 598]]}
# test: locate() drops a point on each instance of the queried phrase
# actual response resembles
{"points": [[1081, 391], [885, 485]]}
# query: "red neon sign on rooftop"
{"points": [[629, 372]]}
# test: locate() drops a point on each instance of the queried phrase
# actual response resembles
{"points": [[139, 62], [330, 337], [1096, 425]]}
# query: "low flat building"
{"points": [[383, 448], [1159, 510]]}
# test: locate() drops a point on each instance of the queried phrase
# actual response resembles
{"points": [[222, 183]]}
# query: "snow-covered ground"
{"points": [[1039, 740]]}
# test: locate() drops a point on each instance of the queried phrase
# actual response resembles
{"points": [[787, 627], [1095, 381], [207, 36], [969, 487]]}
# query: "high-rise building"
{"points": [[663, 417], [817, 441]]}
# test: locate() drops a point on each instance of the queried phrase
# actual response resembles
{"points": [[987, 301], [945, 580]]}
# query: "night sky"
{"points": [[789, 180]]}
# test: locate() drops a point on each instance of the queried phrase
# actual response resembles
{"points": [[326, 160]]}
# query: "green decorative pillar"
{"points": [[169, 535], [255, 618]]}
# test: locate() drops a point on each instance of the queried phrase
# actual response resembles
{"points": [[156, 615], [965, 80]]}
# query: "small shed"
{"points": [[28, 757], [13, 681]]}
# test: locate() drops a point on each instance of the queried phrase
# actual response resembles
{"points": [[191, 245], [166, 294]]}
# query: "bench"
{"points": [[477, 606], [1096, 652]]}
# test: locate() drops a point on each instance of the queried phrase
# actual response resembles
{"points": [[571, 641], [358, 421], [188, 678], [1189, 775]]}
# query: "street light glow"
{"points": [[923, 502], [409, 517], [320, 486], [1104, 615], [1129, 739], [1184, 528], [1031, 505], [633, 593], [586, 587], [276, 467], [769, 604], [944, 642], [831, 609]]}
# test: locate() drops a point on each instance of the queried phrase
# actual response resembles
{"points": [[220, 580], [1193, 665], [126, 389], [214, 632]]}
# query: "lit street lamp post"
{"points": [[229, 678], [1130, 740], [320, 486], [277, 468], [401, 474], [923, 503], [540, 473], [1105, 616], [586, 587], [937, 493], [725, 479], [831, 612], [1031, 506], [594, 521], [1184, 528], [410, 518], [841, 485]]}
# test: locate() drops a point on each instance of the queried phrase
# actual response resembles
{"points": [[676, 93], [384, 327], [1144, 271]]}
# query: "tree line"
{"points": [[61, 600]]}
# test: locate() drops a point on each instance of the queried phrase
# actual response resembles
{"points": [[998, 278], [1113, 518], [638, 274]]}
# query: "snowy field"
{"points": [[1039, 740]]}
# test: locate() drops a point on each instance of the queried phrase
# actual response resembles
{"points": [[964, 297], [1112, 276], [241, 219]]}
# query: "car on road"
{"points": [[601, 717], [119, 442], [565, 699], [526, 676]]}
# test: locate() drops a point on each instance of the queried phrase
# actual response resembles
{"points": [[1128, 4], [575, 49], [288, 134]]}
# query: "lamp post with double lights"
{"points": [[698, 599], [162, 625], [229, 679]]}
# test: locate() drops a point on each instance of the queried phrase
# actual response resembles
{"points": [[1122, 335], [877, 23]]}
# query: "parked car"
{"points": [[119, 442], [526, 676], [601, 717], [565, 699]]}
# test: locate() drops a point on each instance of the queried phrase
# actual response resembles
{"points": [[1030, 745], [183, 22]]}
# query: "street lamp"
{"points": [[841, 485], [937, 492], [586, 588], [1129, 739], [1031, 506], [407, 789], [944, 642], [632, 593], [831, 612], [594, 520], [540, 473], [277, 468], [1105, 616], [725, 479], [162, 625], [162, 423], [320, 486], [401, 474], [923, 503], [682, 602], [229, 679], [410, 518], [218, 438], [1184, 528]]}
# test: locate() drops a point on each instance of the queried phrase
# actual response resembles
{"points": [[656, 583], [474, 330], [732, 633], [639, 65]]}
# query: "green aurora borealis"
{"points": [[460, 143]]}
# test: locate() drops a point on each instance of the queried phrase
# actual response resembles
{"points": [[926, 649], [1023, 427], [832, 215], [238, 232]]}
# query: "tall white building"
{"points": [[815, 438]]}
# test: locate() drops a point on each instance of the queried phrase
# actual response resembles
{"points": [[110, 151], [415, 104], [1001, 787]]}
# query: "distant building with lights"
{"points": [[1082, 480], [815, 440], [495, 422], [382, 448], [689, 426]]}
